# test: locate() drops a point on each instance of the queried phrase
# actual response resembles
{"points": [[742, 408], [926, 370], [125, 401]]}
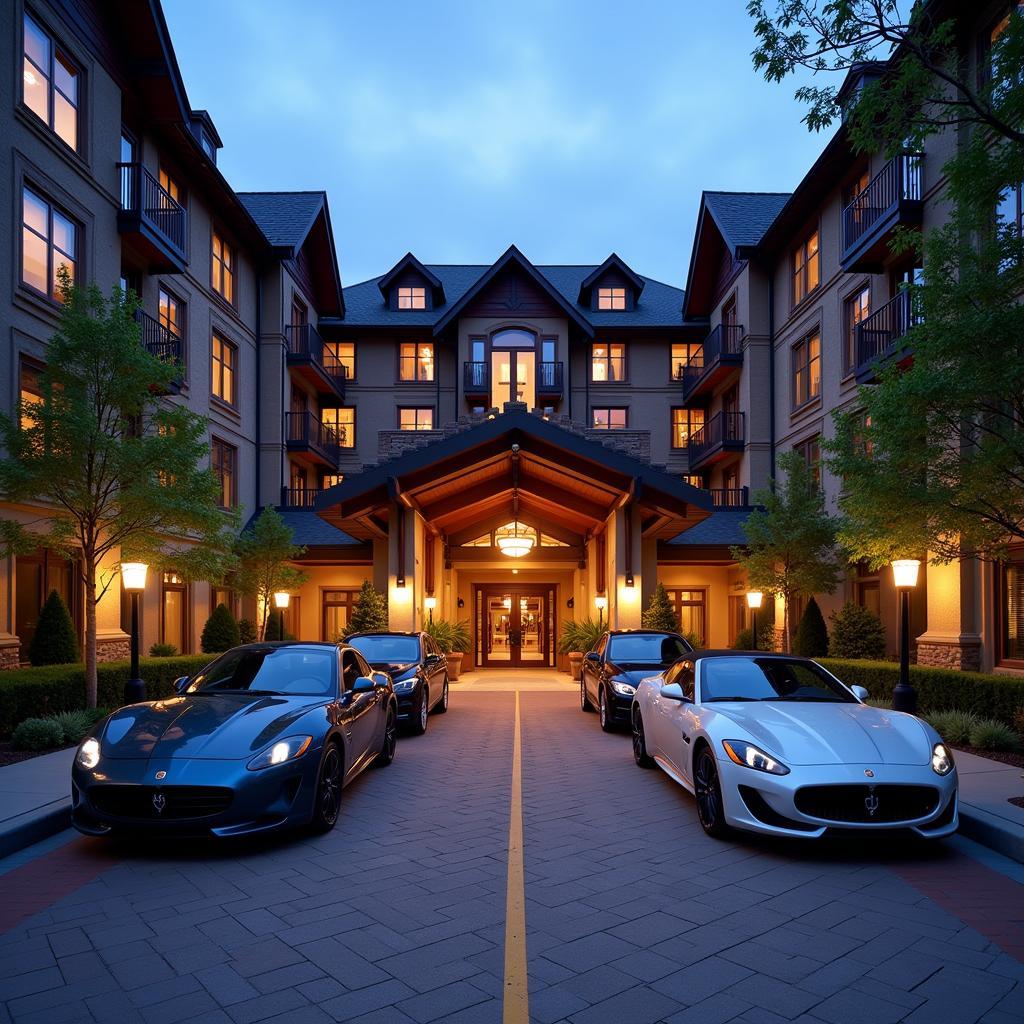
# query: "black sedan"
{"points": [[613, 670], [263, 738], [418, 670]]}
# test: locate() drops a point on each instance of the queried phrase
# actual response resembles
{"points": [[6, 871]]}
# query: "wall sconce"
{"points": [[571, 603], [629, 579], [460, 603], [400, 580]]}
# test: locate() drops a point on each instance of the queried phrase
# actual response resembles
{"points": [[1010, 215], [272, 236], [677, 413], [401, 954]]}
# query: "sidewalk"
{"points": [[35, 799], [986, 814]]}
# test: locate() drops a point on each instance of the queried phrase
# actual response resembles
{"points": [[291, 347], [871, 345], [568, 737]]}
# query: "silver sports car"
{"points": [[776, 744]]}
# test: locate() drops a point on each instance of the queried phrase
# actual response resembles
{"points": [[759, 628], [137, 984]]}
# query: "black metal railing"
{"points": [[304, 428], [159, 339], [476, 378], [898, 180], [723, 428], [304, 342], [144, 196], [549, 378], [724, 340], [730, 497], [878, 333], [301, 497]]}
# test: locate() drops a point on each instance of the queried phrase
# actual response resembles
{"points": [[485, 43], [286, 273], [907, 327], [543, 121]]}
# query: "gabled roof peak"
{"points": [[615, 262], [410, 262]]}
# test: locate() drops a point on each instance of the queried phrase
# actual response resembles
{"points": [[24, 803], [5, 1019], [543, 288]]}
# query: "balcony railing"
{"points": [[305, 431], [307, 348], [892, 197], [549, 378], [730, 497], [301, 497], [150, 210], [158, 339], [723, 433], [476, 378], [878, 334], [719, 353]]}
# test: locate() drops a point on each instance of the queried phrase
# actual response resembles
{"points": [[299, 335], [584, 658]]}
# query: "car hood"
{"points": [[830, 733], [215, 726], [392, 668], [633, 674]]}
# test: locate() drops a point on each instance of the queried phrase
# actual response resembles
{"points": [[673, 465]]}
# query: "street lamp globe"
{"points": [[905, 570], [904, 576], [754, 599], [281, 599], [133, 576]]}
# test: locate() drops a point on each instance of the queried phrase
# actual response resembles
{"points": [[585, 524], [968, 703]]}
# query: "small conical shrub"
{"points": [[246, 631], [856, 633], [370, 612], [220, 632], [811, 640], [54, 642], [660, 613]]}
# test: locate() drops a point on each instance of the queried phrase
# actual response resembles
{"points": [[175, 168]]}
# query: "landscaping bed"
{"points": [[8, 754]]}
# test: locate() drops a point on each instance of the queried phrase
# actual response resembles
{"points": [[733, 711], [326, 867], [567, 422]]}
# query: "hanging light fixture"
{"points": [[515, 539]]}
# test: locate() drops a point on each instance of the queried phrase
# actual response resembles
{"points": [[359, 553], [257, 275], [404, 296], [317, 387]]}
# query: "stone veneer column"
{"points": [[952, 639], [10, 646], [112, 642]]}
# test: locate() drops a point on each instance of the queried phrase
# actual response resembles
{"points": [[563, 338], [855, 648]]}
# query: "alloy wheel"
{"points": [[640, 755], [708, 791], [329, 788], [424, 711]]}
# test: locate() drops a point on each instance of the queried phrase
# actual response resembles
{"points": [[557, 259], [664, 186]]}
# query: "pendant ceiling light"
{"points": [[515, 539]]}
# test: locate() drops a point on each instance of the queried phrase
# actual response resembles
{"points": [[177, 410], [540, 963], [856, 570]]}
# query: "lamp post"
{"points": [[904, 575], [133, 577], [430, 603], [754, 599], [281, 599], [601, 602]]}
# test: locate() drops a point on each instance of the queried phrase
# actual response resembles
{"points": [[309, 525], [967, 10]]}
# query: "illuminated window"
{"points": [[412, 298], [607, 362], [50, 83], [31, 395], [807, 369], [609, 419], [48, 242], [415, 419], [342, 421], [224, 461], [684, 423], [340, 358], [693, 479], [806, 268], [169, 185], [857, 308], [810, 451], [691, 611], [611, 298], [416, 361], [171, 313], [223, 263], [331, 480], [681, 355], [223, 361]]}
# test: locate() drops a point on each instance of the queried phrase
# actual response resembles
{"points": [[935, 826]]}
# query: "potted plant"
{"points": [[578, 638], [453, 639]]}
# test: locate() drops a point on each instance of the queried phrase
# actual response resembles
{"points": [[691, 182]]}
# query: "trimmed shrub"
{"points": [[370, 613], [885, 705], [74, 725], [163, 651], [220, 632], [661, 612], [811, 638], [765, 638], [991, 735], [953, 726], [246, 631], [275, 628], [856, 633], [938, 689], [744, 640], [54, 641], [38, 734]]}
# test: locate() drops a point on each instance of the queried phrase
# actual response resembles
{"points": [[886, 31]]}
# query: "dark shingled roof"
{"points": [[744, 217], [660, 305], [724, 526], [308, 529], [284, 217]]}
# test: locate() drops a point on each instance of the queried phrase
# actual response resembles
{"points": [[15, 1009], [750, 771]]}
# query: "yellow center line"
{"points": [[516, 1009]]}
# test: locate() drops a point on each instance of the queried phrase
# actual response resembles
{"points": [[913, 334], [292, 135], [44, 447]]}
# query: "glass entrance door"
{"points": [[514, 627], [509, 365]]}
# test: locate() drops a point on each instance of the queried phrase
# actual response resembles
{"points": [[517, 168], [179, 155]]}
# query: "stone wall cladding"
{"points": [[113, 650], [966, 657], [10, 656]]}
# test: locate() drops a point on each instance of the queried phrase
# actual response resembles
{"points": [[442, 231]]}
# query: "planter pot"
{"points": [[454, 664], [575, 665]]}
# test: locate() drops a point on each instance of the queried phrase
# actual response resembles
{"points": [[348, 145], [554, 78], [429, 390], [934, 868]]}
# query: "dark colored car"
{"points": [[264, 737], [613, 670], [418, 670]]}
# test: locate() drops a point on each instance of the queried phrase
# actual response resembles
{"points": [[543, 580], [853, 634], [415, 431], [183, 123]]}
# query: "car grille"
{"points": [[859, 803], [160, 803]]}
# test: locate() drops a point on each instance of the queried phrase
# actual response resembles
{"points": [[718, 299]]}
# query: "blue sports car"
{"points": [[263, 738]]}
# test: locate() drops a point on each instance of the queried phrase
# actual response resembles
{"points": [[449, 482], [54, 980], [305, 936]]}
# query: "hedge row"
{"points": [[938, 689], [34, 692]]}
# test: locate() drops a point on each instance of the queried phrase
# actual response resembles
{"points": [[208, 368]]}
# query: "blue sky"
{"points": [[569, 127]]}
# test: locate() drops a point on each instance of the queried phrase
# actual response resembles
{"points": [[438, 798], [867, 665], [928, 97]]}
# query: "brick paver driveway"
{"points": [[400, 914]]}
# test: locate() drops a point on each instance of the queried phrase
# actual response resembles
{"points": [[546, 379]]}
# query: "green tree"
{"points": [[264, 552], [123, 471], [370, 613], [220, 632], [54, 641], [660, 612], [811, 640], [791, 539], [856, 633]]}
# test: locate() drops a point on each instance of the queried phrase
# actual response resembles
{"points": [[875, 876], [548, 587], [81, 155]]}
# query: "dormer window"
{"points": [[414, 297], [611, 298]]}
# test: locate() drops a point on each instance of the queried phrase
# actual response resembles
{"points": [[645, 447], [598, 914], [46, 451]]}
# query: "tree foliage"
{"points": [[660, 613], [54, 641], [856, 633], [123, 471], [370, 613], [220, 632], [811, 640]]}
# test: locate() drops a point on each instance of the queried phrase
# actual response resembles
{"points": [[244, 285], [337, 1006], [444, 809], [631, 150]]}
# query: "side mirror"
{"points": [[381, 680], [593, 657], [673, 691], [859, 692], [364, 684], [431, 659], [180, 684]]}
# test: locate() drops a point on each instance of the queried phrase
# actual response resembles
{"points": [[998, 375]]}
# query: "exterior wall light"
{"points": [[904, 576], [133, 577], [754, 599]]}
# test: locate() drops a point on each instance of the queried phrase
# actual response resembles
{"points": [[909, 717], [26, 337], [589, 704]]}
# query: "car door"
{"points": [[361, 709], [682, 722], [592, 669], [434, 666]]}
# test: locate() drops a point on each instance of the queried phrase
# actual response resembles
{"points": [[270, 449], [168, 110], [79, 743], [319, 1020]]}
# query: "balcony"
{"points": [[301, 497], [312, 441], [476, 382], [721, 436], [730, 497], [891, 199], [155, 222], [720, 353], [162, 342], [315, 362], [879, 335], [550, 381]]}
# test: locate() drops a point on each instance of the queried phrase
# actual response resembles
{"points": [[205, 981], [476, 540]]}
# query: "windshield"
{"points": [[769, 679], [296, 671], [645, 649], [387, 649]]}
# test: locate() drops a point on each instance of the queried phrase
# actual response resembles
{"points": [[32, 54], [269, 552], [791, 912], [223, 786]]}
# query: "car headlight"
{"points": [[750, 756], [406, 683], [88, 755], [281, 751], [626, 689], [942, 759]]}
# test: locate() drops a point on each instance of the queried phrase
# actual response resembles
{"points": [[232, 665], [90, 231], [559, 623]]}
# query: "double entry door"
{"points": [[514, 626]]}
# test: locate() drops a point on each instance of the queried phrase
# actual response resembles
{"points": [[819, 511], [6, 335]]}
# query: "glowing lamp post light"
{"points": [[133, 577], [281, 601], [904, 575], [754, 599], [430, 603], [601, 602]]}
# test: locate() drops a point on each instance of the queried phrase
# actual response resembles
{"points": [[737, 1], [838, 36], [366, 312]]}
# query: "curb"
{"points": [[992, 831], [35, 825]]}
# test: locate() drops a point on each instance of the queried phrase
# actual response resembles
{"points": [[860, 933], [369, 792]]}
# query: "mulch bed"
{"points": [[8, 755]]}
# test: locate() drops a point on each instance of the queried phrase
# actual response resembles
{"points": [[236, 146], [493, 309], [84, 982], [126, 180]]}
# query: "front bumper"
{"points": [[620, 707], [408, 703], [195, 797], [758, 802]]}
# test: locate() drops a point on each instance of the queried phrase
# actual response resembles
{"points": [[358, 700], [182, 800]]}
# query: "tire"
{"points": [[640, 755], [388, 745], [707, 788], [585, 704], [420, 713], [602, 709], [442, 704], [327, 803]]}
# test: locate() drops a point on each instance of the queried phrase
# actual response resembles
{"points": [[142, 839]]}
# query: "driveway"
{"points": [[411, 910]]}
